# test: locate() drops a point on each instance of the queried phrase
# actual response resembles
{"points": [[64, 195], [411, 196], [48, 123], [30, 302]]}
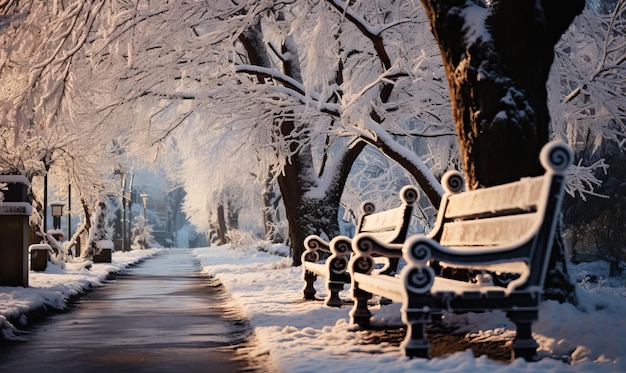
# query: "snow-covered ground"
{"points": [[308, 337]]}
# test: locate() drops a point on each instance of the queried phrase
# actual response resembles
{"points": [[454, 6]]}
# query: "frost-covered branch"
{"points": [[583, 180], [388, 77], [379, 137], [285, 80], [179, 121], [372, 32], [590, 72]]}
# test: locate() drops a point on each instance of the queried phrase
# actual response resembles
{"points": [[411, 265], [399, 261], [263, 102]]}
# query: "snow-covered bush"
{"points": [[101, 228], [142, 234], [54, 237]]}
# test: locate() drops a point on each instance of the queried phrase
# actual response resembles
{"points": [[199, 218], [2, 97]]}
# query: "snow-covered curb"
{"points": [[52, 288], [308, 337]]}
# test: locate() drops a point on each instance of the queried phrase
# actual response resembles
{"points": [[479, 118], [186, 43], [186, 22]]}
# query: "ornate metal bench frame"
{"points": [[509, 227], [390, 226]]}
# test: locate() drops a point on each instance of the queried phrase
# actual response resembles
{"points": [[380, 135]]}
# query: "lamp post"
{"points": [[69, 210], [129, 200], [122, 174], [57, 212], [144, 200]]}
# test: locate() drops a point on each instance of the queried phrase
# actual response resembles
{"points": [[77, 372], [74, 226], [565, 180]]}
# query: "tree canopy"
{"points": [[249, 103]]}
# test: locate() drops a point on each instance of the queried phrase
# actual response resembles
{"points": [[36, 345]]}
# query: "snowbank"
{"points": [[308, 337]]}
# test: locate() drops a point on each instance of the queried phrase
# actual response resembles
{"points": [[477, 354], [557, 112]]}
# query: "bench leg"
{"points": [[524, 345], [309, 290], [360, 314], [333, 299], [415, 343]]}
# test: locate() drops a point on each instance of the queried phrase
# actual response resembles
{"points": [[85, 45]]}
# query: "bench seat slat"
{"points": [[518, 196], [444, 287], [489, 232], [390, 286], [499, 268], [320, 269]]}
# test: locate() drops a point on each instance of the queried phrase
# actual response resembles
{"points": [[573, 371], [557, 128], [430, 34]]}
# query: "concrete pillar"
{"points": [[14, 213]]}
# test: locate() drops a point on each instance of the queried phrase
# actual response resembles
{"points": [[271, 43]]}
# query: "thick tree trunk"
{"points": [[497, 73], [82, 246], [306, 217], [233, 216], [309, 215]]}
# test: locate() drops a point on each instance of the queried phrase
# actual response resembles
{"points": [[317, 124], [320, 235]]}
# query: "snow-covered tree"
{"points": [[305, 85], [587, 87], [42, 101], [101, 229], [349, 102], [589, 112]]}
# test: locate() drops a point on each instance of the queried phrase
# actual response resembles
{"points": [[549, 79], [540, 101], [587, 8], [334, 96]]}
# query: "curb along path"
{"points": [[161, 316]]}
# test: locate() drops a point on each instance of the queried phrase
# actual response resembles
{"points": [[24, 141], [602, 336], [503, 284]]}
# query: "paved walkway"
{"points": [[161, 316]]}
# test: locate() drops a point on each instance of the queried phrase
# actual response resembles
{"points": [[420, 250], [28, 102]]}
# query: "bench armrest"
{"points": [[315, 242], [341, 246], [367, 247], [418, 249], [367, 244]]}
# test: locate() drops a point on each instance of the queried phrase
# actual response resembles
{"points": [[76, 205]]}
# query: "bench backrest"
{"points": [[391, 225], [493, 216], [521, 215]]}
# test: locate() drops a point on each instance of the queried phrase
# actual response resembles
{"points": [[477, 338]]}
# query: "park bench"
{"points": [[502, 229], [389, 226]]}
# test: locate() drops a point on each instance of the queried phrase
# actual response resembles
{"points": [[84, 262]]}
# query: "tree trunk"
{"points": [[306, 215], [221, 225], [82, 244], [497, 73]]}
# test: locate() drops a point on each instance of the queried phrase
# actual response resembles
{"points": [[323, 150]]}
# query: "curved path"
{"points": [[161, 316]]}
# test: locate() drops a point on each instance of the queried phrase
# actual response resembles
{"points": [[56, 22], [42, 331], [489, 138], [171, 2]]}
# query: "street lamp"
{"points": [[57, 212], [122, 174], [144, 200]]}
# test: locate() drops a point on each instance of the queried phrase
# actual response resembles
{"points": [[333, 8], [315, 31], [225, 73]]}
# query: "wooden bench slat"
{"points": [[320, 269], [518, 196], [489, 232], [390, 286], [383, 221], [499, 268], [444, 287]]}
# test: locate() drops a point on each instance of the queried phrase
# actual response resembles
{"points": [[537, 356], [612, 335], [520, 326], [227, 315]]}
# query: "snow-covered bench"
{"points": [[503, 229], [388, 226]]}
